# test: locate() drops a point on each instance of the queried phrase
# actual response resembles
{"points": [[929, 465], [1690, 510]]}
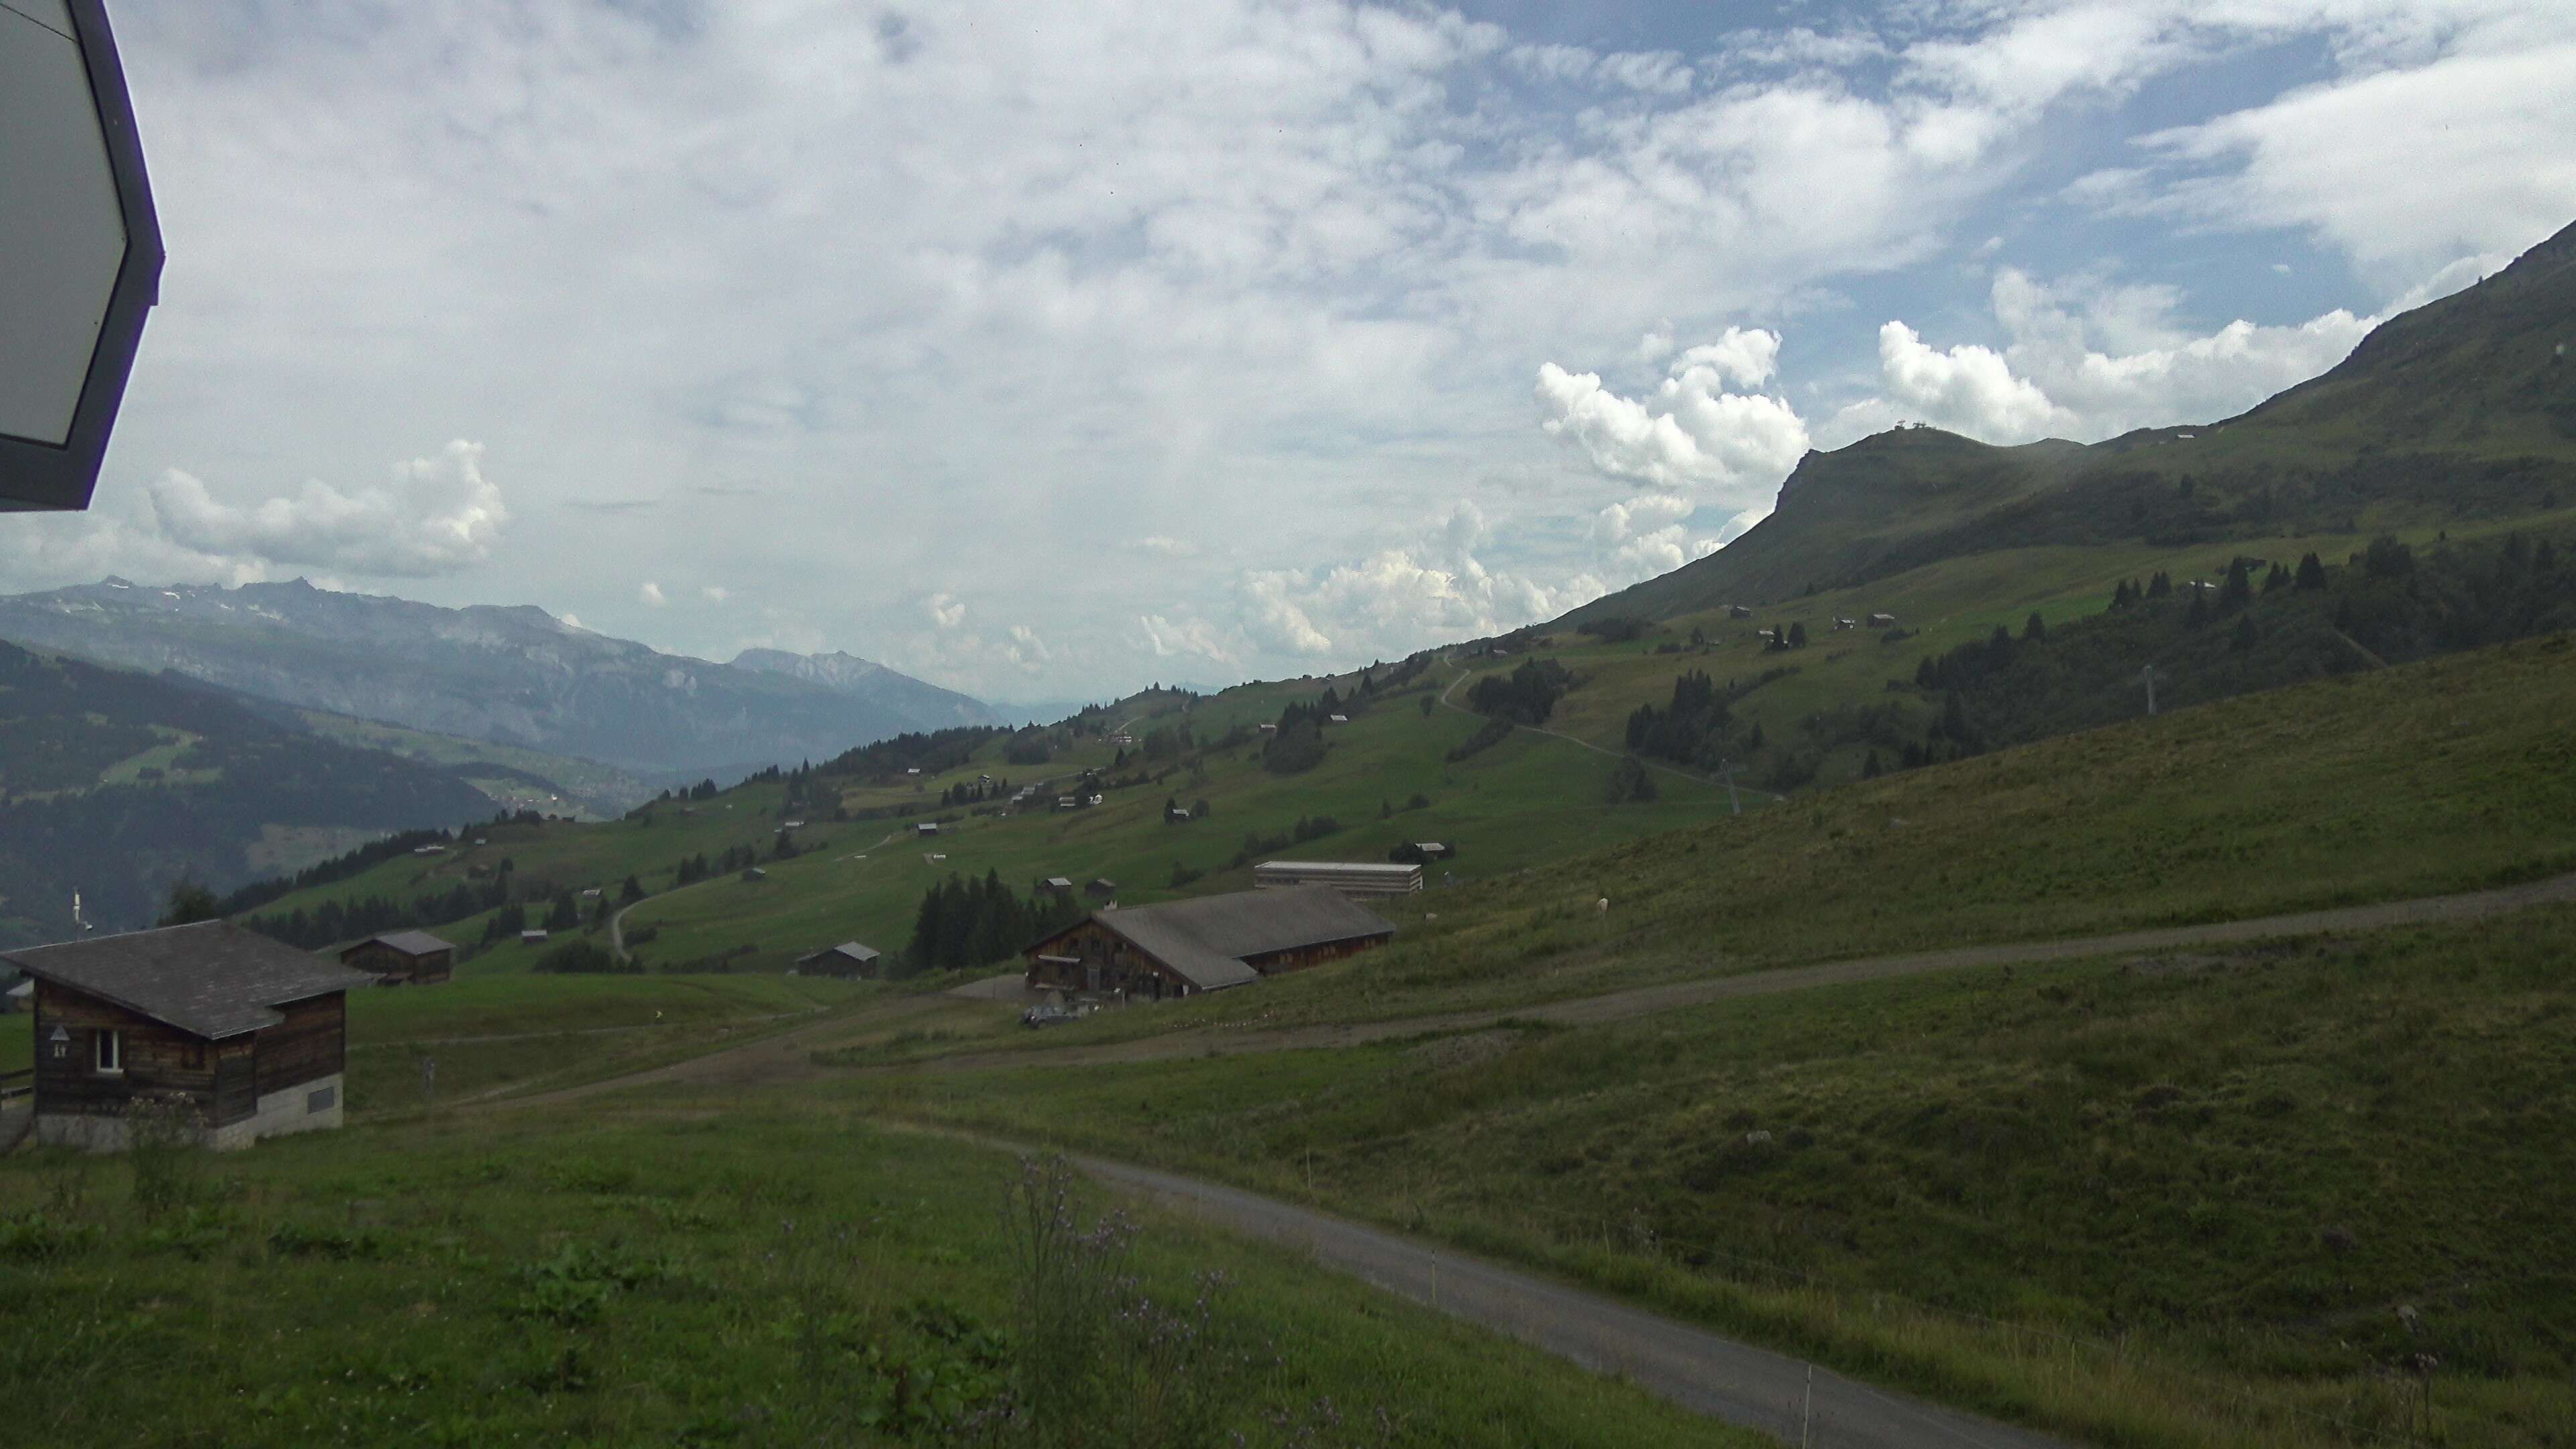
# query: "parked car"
{"points": [[1047, 1016]]}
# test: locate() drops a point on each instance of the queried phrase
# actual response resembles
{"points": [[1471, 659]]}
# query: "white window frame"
{"points": [[107, 1053]]}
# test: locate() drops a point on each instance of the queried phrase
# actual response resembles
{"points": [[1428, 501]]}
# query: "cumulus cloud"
{"points": [[1646, 536], [2088, 359], [1691, 432], [1169, 639], [946, 610], [715, 593], [436, 515], [1168, 547], [651, 594], [1967, 389]]}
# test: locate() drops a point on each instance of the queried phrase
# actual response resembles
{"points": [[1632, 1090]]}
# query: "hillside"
{"points": [[2462, 409], [2186, 1196], [117, 784], [517, 677]]}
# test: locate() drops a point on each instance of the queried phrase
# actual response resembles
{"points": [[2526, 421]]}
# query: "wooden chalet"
{"points": [[1103, 890], [402, 957], [848, 959], [1212, 943], [248, 1032]]}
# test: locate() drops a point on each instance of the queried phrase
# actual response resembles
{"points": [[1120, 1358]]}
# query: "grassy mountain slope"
{"points": [[2464, 408], [2171, 1200], [118, 784]]}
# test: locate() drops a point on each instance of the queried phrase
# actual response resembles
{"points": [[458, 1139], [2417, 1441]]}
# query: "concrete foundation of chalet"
{"points": [[305, 1107]]}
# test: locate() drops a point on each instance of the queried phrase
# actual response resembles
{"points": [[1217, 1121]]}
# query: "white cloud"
{"points": [[2404, 168], [1691, 432], [1645, 536], [715, 593], [2088, 359], [437, 516], [651, 594], [945, 610], [1168, 547], [1168, 639], [573, 621], [1967, 389]]}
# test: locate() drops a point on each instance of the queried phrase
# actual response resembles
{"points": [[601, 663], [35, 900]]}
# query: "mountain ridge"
{"points": [[507, 674], [2462, 407]]}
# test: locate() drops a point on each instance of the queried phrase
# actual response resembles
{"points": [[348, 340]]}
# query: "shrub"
{"points": [[1100, 1359], [1489, 734]]}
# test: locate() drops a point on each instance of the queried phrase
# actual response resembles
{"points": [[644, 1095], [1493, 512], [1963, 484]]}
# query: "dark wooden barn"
{"points": [[848, 959], [247, 1032], [402, 957], [1182, 948]]}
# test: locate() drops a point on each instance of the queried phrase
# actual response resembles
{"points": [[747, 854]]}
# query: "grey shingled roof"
{"points": [[858, 951], [411, 943], [1206, 939], [212, 979]]}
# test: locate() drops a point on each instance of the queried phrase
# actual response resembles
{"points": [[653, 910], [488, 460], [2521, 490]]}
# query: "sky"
{"points": [[1048, 351]]}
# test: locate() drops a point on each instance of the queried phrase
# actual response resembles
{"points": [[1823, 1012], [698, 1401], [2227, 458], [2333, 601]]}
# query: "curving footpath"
{"points": [[1734, 1382]]}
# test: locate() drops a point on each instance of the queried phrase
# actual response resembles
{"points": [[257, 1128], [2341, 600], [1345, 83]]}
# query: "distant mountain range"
{"points": [[2464, 408], [514, 676], [117, 785]]}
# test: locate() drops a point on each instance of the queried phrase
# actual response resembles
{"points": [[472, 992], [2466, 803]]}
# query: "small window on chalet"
{"points": [[110, 1047]]}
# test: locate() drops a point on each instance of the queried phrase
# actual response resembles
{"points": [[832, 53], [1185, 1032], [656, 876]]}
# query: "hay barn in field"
{"points": [[1213, 943]]}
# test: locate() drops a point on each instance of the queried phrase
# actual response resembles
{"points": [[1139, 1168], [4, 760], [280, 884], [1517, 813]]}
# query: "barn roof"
{"points": [[212, 979], [858, 951], [410, 943], [1206, 939]]}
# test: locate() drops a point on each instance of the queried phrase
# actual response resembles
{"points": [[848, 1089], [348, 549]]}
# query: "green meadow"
{"points": [[649, 1275], [2216, 1198]]}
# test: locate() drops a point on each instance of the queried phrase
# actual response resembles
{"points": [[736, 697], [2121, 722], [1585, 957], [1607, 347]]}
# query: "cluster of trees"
{"points": [[975, 792], [1167, 742], [1489, 734], [1697, 726], [963, 923], [2264, 624], [932, 753], [1256, 844], [1298, 746], [373, 915], [1527, 695], [1630, 780], [1200, 809], [695, 868]]}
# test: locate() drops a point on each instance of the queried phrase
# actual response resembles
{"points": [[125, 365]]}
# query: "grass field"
{"points": [[2177, 1200], [496, 1034], [2449, 775], [654, 1277]]}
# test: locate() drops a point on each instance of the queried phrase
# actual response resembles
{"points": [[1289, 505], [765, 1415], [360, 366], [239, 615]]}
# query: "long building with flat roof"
{"points": [[1350, 877]]}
